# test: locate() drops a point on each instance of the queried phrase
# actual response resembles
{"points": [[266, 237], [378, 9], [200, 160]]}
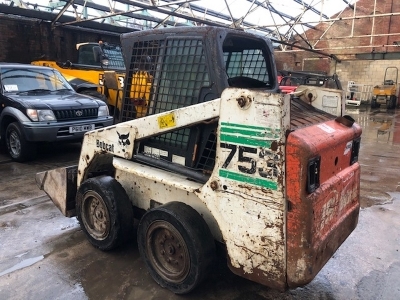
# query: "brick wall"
{"points": [[23, 40], [347, 37], [366, 72], [344, 40]]}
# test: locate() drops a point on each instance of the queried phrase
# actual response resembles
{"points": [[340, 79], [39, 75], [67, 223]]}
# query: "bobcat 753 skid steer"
{"points": [[219, 158]]}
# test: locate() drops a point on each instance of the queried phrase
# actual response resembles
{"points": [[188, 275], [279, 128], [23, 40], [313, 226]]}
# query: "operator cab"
{"points": [[100, 54]]}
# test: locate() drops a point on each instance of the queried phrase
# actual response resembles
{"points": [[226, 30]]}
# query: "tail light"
{"points": [[313, 174], [355, 149]]}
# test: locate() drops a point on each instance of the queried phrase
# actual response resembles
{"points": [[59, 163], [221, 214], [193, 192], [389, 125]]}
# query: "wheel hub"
{"points": [[15, 143], [166, 253], [95, 216]]}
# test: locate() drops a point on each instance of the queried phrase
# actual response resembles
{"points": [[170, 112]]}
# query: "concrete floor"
{"points": [[44, 255]]}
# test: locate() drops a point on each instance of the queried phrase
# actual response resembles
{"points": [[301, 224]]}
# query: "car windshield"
{"points": [[16, 80]]}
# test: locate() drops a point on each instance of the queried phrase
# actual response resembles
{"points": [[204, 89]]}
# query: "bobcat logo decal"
{"points": [[123, 139]]}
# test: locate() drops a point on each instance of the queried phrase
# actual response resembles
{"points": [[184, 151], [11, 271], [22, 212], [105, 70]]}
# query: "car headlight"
{"points": [[103, 111], [41, 114]]}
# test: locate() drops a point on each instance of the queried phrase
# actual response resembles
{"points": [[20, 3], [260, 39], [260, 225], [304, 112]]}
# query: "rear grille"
{"points": [[75, 114]]}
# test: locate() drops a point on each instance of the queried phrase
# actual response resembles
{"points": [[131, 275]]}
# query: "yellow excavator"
{"points": [[98, 70]]}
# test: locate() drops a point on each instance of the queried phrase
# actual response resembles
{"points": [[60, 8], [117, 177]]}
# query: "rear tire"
{"points": [[104, 212], [373, 103], [18, 147], [176, 245], [392, 102]]}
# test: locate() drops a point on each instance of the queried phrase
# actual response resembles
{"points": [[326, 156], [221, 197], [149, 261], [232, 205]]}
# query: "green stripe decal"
{"points": [[245, 133], [249, 132], [244, 140], [244, 126], [247, 179]]}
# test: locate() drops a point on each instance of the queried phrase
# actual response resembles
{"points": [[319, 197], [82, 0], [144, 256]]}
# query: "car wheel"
{"points": [[176, 245], [104, 212], [18, 147]]}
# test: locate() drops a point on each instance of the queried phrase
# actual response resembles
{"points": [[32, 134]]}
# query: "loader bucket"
{"points": [[60, 185]]}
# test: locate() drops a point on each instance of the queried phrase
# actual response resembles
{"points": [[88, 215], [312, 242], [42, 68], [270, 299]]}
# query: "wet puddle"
{"points": [[382, 125], [371, 198], [23, 264]]}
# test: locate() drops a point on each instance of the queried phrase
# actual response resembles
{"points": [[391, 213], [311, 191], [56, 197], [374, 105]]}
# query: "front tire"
{"points": [[176, 245], [373, 103], [392, 102], [104, 212], [18, 147]]}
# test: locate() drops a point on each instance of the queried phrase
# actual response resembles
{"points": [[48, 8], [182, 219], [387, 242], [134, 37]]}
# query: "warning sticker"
{"points": [[326, 128], [348, 147], [166, 121]]}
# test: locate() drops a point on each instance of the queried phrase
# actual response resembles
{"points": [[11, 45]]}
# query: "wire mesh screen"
{"points": [[166, 74], [207, 149], [171, 72], [182, 76], [248, 62]]}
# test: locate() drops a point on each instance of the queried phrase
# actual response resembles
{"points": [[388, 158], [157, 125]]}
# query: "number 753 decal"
{"points": [[252, 160]]}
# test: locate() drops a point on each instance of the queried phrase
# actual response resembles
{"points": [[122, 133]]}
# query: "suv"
{"points": [[38, 105]]}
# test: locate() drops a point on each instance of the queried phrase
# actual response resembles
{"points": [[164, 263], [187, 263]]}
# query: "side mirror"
{"points": [[67, 64], [99, 56]]}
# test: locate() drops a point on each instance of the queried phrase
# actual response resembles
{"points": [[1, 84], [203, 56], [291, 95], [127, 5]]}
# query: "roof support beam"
{"points": [[66, 6], [309, 7]]}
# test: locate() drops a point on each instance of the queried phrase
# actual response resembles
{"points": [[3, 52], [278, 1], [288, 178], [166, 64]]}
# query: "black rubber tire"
{"points": [[392, 102], [95, 94], [18, 147], [176, 245], [373, 104], [104, 212]]}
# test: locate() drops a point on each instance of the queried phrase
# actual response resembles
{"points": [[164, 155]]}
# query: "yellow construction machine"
{"points": [[387, 92], [97, 70]]}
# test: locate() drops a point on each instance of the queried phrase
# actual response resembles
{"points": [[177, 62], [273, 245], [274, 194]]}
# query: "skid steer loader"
{"points": [[211, 154]]}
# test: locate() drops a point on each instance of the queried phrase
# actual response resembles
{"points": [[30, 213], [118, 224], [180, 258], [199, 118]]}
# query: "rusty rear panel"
{"points": [[322, 210]]}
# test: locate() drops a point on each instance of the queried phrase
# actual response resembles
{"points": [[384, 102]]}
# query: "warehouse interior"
{"points": [[357, 40], [44, 255]]}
